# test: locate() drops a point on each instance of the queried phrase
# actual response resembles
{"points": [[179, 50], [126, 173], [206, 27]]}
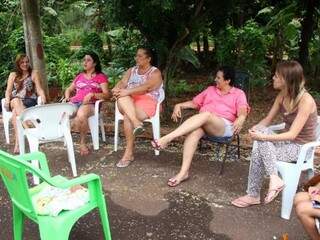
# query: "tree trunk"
{"points": [[205, 44], [33, 41], [306, 32], [26, 33]]}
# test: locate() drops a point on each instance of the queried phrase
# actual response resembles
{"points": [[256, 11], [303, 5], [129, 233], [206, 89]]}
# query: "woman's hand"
{"points": [[256, 135], [176, 113], [120, 92], [237, 125], [87, 98], [43, 98]]}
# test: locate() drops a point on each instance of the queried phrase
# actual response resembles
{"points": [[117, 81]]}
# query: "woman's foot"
{"points": [[246, 201], [159, 144], [176, 180], [125, 162], [84, 150], [276, 185]]}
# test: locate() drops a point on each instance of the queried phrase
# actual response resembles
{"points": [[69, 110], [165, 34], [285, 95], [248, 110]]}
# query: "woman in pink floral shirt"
{"points": [[90, 85]]}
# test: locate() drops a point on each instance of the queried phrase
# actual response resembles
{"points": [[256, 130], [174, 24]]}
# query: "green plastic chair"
{"points": [[14, 170]]}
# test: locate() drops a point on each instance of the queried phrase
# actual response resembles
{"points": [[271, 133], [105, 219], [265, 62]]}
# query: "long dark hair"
{"points": [[19, 72], [292, 73], [96, 60]]}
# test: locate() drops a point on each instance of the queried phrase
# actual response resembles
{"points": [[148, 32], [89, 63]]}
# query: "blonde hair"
{"points": [[292, 73]]}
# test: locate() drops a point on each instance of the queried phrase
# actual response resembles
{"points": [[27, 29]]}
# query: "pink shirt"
{"points": [[85, 86], [225, 106]]}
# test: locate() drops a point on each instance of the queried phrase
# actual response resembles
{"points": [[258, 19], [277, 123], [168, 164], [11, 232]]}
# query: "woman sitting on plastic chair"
{"points": [[22, 87], [299, 112], [90, 85], [222, 112], [137, 96]]}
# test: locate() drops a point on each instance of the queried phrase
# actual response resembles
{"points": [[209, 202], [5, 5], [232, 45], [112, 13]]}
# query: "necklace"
{"points": [[144, 72]]}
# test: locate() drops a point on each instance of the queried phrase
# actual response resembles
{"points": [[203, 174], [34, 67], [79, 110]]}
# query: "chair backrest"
{"points": [[14, 174], [50, 119], [242, 81]]}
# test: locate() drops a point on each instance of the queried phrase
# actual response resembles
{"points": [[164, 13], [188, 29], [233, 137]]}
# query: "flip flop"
{"points": [[243, 204], [125, 163], [138, 130], [272, 194], [174, 182]]}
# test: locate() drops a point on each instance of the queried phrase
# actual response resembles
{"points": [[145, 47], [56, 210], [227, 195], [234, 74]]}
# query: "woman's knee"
{"points": [[302, 208], [198, 133], [300, 197]]}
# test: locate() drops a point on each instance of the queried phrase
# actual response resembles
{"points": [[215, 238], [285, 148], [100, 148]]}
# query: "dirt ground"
{"points": [[142, 206]]}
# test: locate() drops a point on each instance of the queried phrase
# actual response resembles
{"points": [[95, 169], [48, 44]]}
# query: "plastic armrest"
{"points": [[85, 179], [304, 149], [41, 157], [277, 127], [97, 106]]}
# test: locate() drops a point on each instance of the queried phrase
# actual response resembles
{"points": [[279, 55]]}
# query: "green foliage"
{"points": [[16, 41], [56, 47], [92, 41], [114, 74], [244, 48], [67, 71], [177, 88], [125, 43], [188, 55]]}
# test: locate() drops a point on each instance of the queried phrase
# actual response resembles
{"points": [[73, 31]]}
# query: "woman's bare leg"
{"points": [[81, 120], [128, 130], [127, 107], [211, 122], [306, 214], [17, 108], [189, 148]]}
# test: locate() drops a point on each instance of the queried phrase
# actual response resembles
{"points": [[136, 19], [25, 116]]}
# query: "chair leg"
{"points": [[34, 147], [6, 129], [70, 150], [291, 180], [18, 222], [238, 146], [224, 159], [104, 218], [156, 132], [94, 129], [52, 232], [103, 132], [116, 134]]}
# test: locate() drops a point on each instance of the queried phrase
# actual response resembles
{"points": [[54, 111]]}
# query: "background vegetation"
{"points": [[189, 37]]}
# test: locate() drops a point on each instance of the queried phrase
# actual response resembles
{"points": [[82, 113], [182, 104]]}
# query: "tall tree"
{"points": [[33, 37], [308, 25]]}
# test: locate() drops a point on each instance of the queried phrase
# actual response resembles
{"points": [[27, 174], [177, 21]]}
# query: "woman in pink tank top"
{"points": [[137, 94]]}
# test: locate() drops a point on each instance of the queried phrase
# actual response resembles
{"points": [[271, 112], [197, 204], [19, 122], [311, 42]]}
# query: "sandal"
{"points": [[138, 130], [124, 163], [173, 182], [239, 202], [272, 194], [156, 145]]}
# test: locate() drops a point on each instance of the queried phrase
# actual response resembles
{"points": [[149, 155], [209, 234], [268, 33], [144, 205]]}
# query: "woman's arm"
{"points": [[68, 91], [9, 87], [305, 108], [36, 79], [124, 80], [272, 113], [103, 96], [178, 107]]}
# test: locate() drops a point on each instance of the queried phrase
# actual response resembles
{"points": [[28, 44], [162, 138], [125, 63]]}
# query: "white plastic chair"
{"points": [[155, 121], [6, 117], [51, 123], [94, 122], [290, 172]]}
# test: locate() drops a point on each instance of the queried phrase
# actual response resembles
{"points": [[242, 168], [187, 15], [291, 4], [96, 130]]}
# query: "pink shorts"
{"points": [[146, 103]]}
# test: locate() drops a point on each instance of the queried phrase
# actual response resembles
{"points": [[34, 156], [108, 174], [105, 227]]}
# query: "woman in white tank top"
{"points": [[137, 94]]}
